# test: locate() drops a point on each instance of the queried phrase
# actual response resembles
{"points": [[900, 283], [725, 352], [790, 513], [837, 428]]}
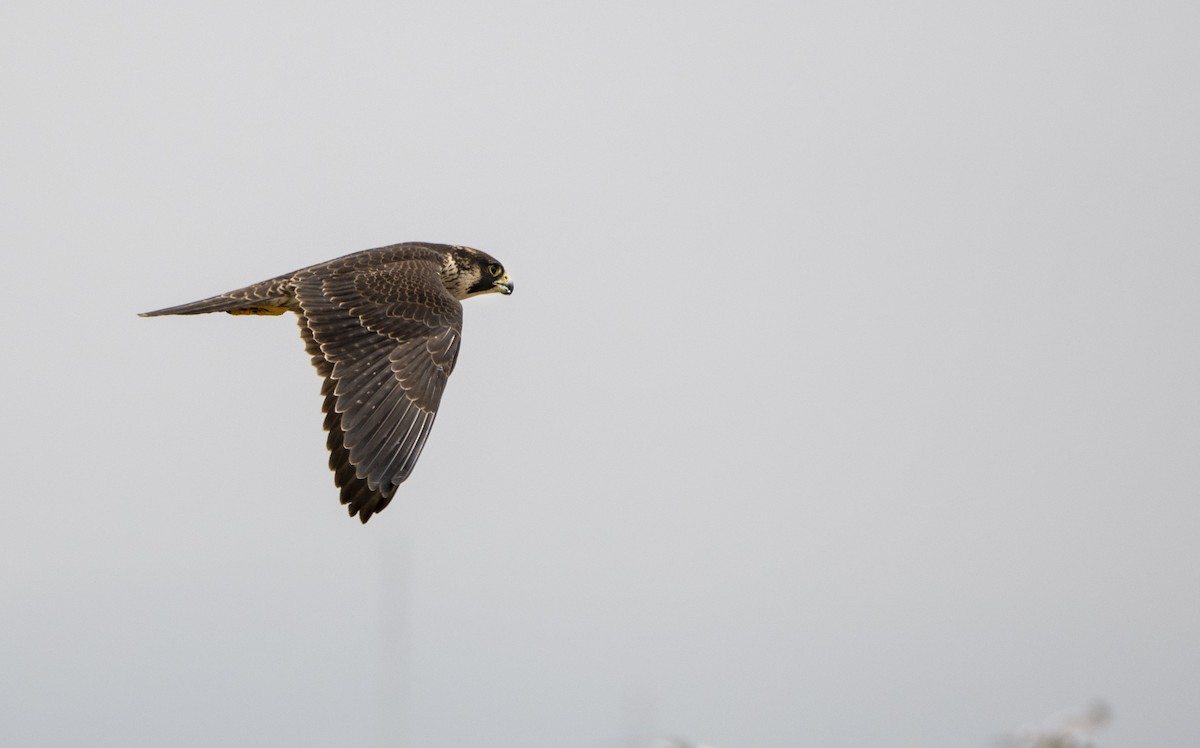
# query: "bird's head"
{"points": [[473, 273]]}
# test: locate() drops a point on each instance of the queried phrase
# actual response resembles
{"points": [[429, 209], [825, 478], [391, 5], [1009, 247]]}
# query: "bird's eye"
{"points": [[494, 270]]}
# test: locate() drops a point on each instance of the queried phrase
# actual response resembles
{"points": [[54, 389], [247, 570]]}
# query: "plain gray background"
{"points": [[848, 395]]}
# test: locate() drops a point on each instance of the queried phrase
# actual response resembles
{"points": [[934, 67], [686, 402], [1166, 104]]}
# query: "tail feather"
{"points": [[269, 297], [204, 306]]}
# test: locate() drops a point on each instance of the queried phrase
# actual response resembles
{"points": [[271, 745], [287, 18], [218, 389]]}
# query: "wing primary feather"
{"points": [[375, 430], [400, 464], [386, 444], [374, 399]]}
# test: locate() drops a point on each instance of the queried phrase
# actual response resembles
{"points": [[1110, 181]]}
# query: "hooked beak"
{"points": [[503, 285]]}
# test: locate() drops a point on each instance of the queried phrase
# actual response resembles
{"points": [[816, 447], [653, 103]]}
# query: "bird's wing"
{"points": [[385, 339]]}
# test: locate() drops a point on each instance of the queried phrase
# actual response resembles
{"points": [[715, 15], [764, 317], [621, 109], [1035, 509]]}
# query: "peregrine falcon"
{"points": [[383, 328]]}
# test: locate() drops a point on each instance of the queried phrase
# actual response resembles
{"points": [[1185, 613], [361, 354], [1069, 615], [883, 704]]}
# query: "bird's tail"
{"points": [[269, 297]]}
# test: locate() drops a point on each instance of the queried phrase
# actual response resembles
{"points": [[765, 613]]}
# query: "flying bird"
{"points": [[383, 328]]}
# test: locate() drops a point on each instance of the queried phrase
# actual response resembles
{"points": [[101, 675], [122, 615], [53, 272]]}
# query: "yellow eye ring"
{"points": [[494, 270]]}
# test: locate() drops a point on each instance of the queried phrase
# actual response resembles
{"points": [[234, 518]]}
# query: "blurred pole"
{"points": [[393, 633]]}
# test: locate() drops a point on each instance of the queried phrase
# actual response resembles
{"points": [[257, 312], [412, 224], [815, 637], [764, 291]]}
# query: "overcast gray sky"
{"points": [[848, 395]]}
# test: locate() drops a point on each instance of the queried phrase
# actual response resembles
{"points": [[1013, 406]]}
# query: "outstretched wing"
{"points": [[385, 339]]}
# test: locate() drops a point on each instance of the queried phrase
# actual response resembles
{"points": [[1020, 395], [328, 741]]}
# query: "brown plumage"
{"points": [[383, 328]]}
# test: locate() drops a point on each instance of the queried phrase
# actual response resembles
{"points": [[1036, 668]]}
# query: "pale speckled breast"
{"points": [[456, 278]]}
